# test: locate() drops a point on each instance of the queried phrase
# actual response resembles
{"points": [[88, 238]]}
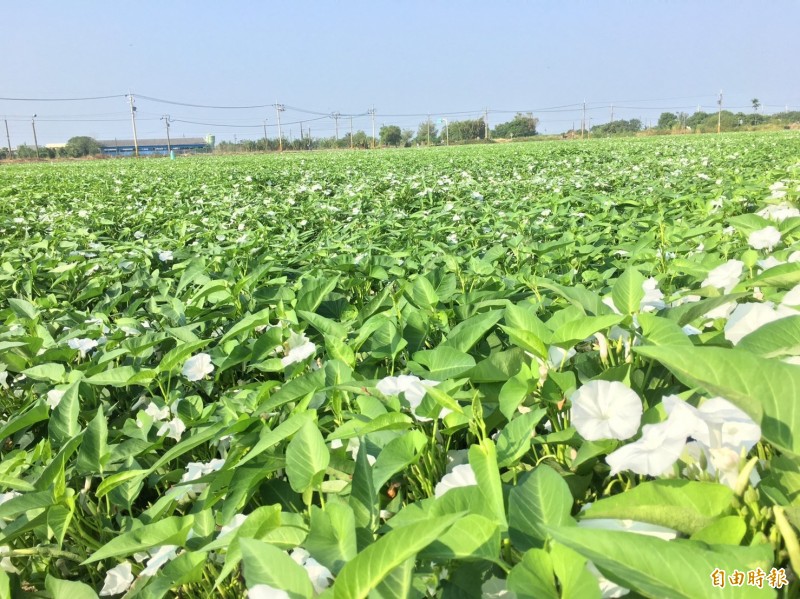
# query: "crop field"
{"points": [[532, 370]]}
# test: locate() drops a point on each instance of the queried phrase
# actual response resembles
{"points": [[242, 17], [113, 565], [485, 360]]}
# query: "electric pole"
{"points": [[133, 123], [8, 139], [165, 118], [429, 130], [335, 116], [35, 141], [278, 109], [612, 114], [719, 112], [351, 132], [583, 120], [266, 143], [486, 123], [371, 112]]}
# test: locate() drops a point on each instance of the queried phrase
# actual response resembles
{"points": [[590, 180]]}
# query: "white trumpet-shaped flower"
{"points": [[197, 367], [83, 345], [461, 476], [725, 276], [298, 349], [654, 453], [172, 429], [118, 580], [158, 558], [748, 317], [606, 410], [320, 575], [413, 389], [764, 239]]}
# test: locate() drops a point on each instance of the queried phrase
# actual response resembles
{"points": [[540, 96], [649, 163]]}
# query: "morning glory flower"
{"points": [[606, 410], [158, 558], [118, 580], [792, 297], [264, 591], [172, 429], [299, 348], [725, 276], [748, 317], [83, 345], [779, 212], [413, 389], [654, 453], [653, 298], [558, 356], [461, 476], [165, 256], [197, 367], [138, 235], [231, 526], [320, 575], [625, 525], [764, 239], [54, 397], [156, 413]]}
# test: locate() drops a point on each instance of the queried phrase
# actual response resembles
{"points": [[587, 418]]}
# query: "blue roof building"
{"points": [[155, 147]]}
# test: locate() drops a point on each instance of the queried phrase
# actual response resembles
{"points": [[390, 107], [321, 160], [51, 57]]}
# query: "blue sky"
{"points": [[405, 58]]}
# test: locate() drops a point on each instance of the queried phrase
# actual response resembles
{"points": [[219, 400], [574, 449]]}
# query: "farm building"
{"points": [[154, 147]]}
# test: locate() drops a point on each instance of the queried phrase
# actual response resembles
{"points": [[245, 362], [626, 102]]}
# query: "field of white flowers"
{"points": [[531, 370]]}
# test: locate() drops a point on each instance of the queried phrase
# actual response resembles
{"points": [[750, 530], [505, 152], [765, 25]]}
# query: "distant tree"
{"points": [[522, 125], [667, 120], [25, 151], [81, 146], [391, 135], [756, 105], [467, 130], [422, 133], [406, 137], [695, 119], [618, 127]]}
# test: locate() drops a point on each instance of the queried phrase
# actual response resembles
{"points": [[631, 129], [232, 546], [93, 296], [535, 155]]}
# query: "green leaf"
{"points": [[313, 292], [325, 326], [266, 564], [177, 355], [23, 308], [783, 276], [332, 535], [572, 573], [423, 294], [471, 538], [442, 363], [570, 333], [362, 425], [63, 424], [52, 372], [93, 451], [363, 494], [684, 505], [628, 292], [526, 340], [756, 385], [483, 459], [774, 339], [374, 563], [661, 331], [533, 576], [468, 332], [398, 454], [169, 531], [68, 589], [653, 567], [246, 324], [271, 437], [539, 500], [515, 438], [113, 377], [307, 458]]}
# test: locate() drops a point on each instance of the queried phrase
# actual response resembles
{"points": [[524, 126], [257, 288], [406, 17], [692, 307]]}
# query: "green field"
{"points": [[447, 372]]}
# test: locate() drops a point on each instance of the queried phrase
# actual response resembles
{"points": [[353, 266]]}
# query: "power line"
{"points": [[62, 99]]}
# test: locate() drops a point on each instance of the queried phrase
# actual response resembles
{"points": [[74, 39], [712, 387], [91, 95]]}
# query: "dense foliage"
{"points": [[441, 372]]}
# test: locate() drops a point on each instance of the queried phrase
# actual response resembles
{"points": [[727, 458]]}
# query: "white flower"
{"points": [[299, 348], [83, 345], [779, 212], [746, 318], [764, 239], [625, 525], [655, 452], [606, 410], [4, 379], [161, 556], [197, 367], [320, 575], [608, 589], [231, 526], [195, 470], [653, 298], [452, 239], [412, 387], [264, 591], [118, 580], [725, 276], [138, 235], [769, 262], [156, 413], [558, 356], [461, 476], [173, 429], [54, 397], [792, 297], [165, 256]]}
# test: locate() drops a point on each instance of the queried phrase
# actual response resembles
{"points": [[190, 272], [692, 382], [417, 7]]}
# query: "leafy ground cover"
{"points": [[542, 370]]}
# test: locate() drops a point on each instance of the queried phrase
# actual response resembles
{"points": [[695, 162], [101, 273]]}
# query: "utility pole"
{"points": [[8, 139], [351, 132], [486, 123], [133, 123], [429, 130], [279, 108], [371, 112], [612, 114], [446, 131], [583, 120], [165, 118], [35, 141], [335, 116], [719, 112], [266, 143]]}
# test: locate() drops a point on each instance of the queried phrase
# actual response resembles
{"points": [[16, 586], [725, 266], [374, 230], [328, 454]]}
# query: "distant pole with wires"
{"points": [[371, 112], [165, 118], [8, 140], [486, 123], [266, 143], [612, 114], [429, 130], [583, 120], [351, 132], [278, 109], [133, 124], [35, 141], [335, 116], [719, 112]]}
